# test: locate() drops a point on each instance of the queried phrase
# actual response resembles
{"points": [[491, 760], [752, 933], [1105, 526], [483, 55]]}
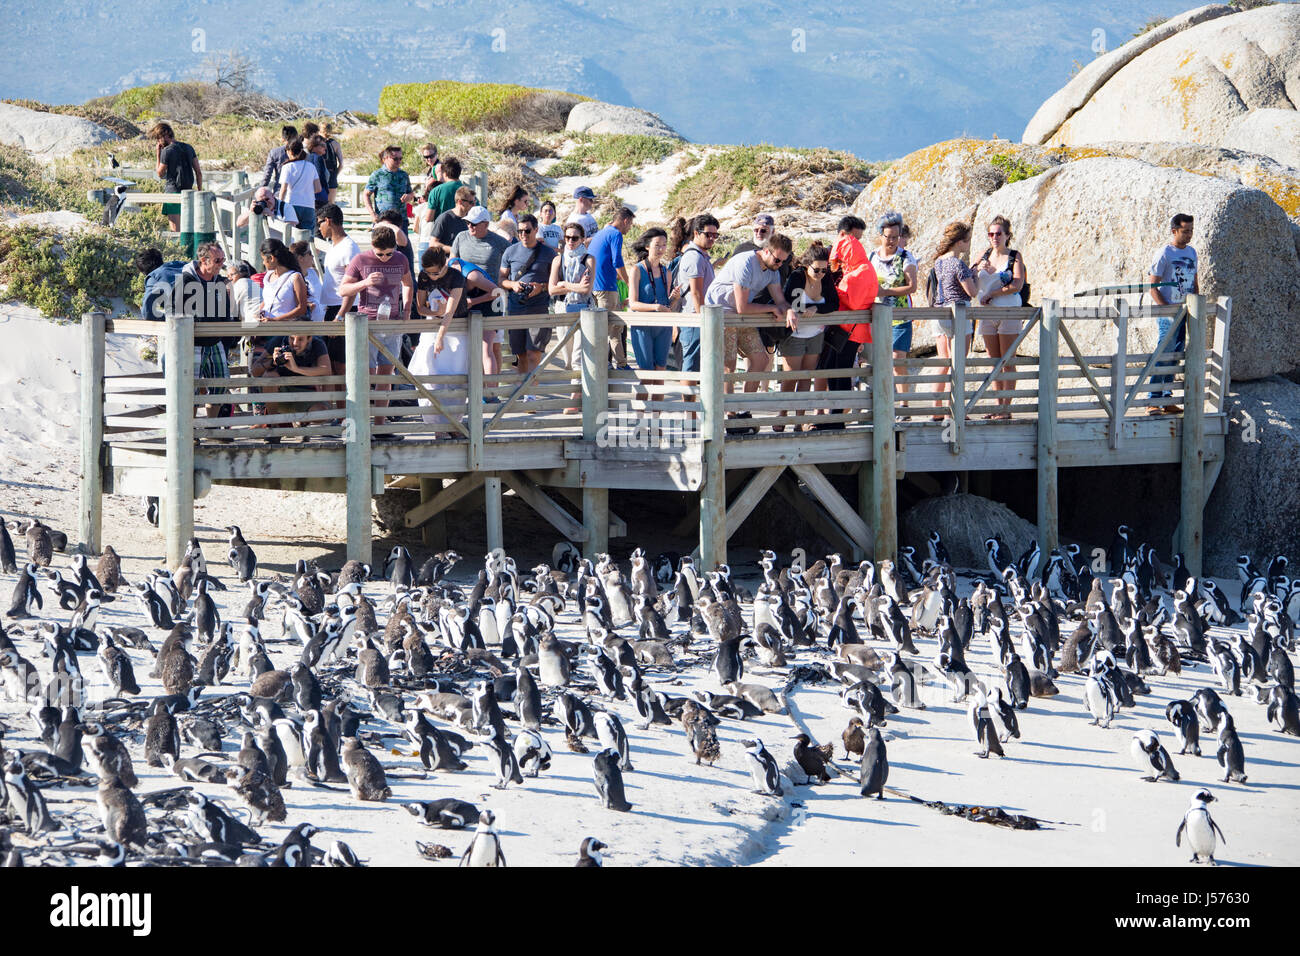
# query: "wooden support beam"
{"points": [[1192, 516], [474, 392], [839, 509], [1118, 375], [1048, 368], [91, 518], [442, 499], [492, 512], [813, 514], [617, 526], [713, 494], [594, 328], [356, 436], [178, 370], [748, 499], [960, 323], [544, 505], [884, 491]]}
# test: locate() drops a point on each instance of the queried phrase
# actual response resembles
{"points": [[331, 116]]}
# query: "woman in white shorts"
{"points": [[440, 294], [1000, 273]]}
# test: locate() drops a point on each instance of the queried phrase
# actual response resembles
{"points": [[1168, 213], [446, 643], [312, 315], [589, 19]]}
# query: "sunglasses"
{"points": [[994, 235], [761, 230], [428, 156], [525, 231], [781, 260], [709, 235], [385, 255], [818, 270], [573, 238]]}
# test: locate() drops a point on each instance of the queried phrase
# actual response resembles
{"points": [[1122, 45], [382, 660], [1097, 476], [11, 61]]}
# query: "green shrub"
{"points": [[568, 166], [400, 101], [774, 175], [69, 275], [137, 103], [1013, 168], [625, 150]]}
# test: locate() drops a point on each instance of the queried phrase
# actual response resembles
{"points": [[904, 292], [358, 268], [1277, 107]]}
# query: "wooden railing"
{"points": [[162, 412]]}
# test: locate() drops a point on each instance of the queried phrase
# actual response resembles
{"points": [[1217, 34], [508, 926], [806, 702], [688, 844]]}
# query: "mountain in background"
{"points": [[880, 79]]}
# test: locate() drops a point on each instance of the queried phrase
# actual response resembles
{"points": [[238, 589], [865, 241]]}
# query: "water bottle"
{"points": [[385, 310]]}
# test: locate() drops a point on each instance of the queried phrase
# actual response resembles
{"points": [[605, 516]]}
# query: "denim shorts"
{"points": [[903, 336], [650, 345], [392, 342], [689, 337]]}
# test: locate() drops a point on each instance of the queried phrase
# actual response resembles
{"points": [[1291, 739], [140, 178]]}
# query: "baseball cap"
{"points": [[763, 219], [476, 215], [583, 192]]}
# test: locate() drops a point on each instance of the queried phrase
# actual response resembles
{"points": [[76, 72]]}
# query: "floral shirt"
{"points": [[892, 273], [389, 186]]}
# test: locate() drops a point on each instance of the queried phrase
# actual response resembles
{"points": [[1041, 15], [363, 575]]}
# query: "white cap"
{"points": [[478, 214]]}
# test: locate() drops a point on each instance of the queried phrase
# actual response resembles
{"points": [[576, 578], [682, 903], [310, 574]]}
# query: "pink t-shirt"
{"points": [[392, 270]]}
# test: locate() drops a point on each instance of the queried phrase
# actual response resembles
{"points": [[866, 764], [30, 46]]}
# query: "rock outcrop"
{"points": [[1100, 221], [593, 116], [964, 521], [48, 135], [1272, 132], [1192, 79], [1255, 507]]}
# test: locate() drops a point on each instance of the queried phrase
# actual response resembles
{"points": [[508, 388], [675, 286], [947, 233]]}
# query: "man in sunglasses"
{"points": [[750, 284], [695, 275], [525, 274]]}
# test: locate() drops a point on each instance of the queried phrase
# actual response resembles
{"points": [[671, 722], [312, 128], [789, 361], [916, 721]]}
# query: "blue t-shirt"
{"points": [[156, 285], [606, 247], [1179, 267]]}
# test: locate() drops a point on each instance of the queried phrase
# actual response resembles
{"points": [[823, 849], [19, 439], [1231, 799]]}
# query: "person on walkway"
{"points": [[315, 284], [525, 274], [389, 187], [483, 248], [284, 290], [812, 286], [651, 289], [178, 168], [750, 284], [451, 223], [606, 247], [343, 249], [586, 200], [896, 272], [440, 294], [289, 357], [1001, 274], [443, 195], [379, 280], [954, 281], [333, 159], [277, 157], [515, 205], [299, 184], [695, 273], [1173, 276], [764, 226], [548, 229]]}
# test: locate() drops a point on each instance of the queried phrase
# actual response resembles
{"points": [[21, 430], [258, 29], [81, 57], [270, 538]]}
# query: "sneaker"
{"points": [[624, 368]]}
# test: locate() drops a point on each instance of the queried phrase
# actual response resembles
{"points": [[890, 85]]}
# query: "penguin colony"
{"points": [[319, 679]]}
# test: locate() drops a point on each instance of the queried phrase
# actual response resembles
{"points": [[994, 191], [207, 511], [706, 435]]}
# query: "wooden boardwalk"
{"points": [[561, 438]]}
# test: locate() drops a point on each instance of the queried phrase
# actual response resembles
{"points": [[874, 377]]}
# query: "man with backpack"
{"points": [[278, 157], [178, 167]]}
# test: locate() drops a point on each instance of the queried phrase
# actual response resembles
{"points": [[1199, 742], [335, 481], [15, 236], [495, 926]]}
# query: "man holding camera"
{"points": [[525, 274], [290, 356]]}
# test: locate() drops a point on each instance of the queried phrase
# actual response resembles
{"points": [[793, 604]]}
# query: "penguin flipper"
{"points": [[1178, 835], [1215, 827]]}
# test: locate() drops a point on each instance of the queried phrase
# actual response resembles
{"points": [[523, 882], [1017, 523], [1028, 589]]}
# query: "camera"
{"points": [[526, 289], [259, 208], [281, 357]]}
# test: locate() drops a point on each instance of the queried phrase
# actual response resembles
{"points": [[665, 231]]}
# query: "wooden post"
{"points": [[91, 524], [713, 493], [492, 512], [474, 393], [1193, 449], [594, 327], [1048, 368], [178, 510], [434, 531], [356, 434], [1119, 376], [884, 491], [960, 323], [205, 216], [256, 236]]}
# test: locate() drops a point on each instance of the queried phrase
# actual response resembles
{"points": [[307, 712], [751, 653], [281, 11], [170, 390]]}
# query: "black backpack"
{"points": [[1012, 255]]}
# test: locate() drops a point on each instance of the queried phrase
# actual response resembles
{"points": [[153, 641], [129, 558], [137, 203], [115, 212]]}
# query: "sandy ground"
{"points": [[1062, 769]]}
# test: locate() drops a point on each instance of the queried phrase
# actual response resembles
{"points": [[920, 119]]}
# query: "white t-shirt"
{"points": [[299, 176], [584, 219], [744, 270], [314, 287], [1179, 267], [551, 235], [336, 263]]}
